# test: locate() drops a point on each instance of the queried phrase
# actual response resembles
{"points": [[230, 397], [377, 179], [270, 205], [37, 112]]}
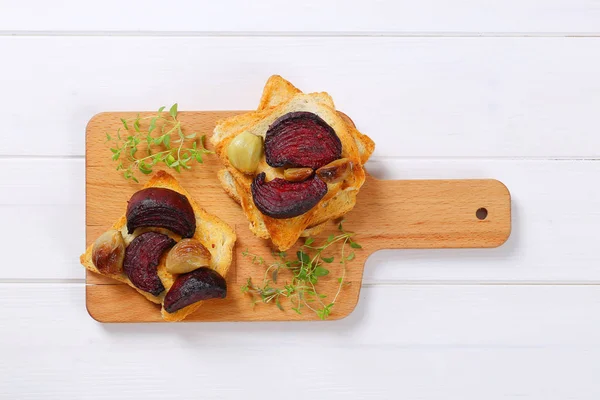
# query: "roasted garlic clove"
{"points": [[108, 252], [335, 171], [301, 139], [244, 152], [297, 174], [201, 284], [186, 256], [141, 261], [163, 208]]}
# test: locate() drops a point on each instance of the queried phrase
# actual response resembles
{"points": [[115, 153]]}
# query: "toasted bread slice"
{"points": [[213, 233], [279, 98], [276, 91]]}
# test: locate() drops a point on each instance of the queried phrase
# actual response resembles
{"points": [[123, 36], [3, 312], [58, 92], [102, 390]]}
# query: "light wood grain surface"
{"points": [[448, 89]]}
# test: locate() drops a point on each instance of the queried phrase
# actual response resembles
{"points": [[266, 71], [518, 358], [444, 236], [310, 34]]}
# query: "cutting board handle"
{"points": [[433, 213]]}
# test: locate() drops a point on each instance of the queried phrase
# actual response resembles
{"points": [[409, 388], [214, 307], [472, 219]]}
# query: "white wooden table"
{"points": [[448, 89]]}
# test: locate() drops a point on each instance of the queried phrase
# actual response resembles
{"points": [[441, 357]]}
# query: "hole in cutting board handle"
{"points": [[481, 213]]}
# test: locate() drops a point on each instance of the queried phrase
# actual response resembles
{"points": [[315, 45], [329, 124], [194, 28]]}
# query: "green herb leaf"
{"points": [[350, 257], [152, 125], [173, 111], [355, 245], [124, 122], [144, 168], [309, 241], [183, 163], [325, 311], [161, 109], [278, 304], [328, 260], [302, 256], [320, 271]]}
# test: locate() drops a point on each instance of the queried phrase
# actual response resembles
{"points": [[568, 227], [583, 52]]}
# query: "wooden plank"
{"points": [[389, 214], [388, 315], [331, 16], [416, 97], [553, 238], [427, 342]]}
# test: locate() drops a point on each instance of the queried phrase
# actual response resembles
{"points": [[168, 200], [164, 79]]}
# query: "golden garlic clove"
{"points": [[245, 151], [186, 256], [108, 252], [297, 174], [335, 171]]}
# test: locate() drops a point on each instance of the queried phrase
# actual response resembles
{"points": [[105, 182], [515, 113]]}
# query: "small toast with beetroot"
{"points": [[167, 248], [293, 164]]}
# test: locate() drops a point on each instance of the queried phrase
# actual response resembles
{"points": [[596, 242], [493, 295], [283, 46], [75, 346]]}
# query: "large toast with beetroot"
{"points": [[214, 235], [315, 129]]}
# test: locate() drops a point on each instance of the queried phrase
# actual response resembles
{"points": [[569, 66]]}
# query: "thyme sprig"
{"points": [[164, 141], [306, 270]]}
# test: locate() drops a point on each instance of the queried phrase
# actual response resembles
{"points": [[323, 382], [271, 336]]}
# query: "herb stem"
{"points": [[343, 272]]}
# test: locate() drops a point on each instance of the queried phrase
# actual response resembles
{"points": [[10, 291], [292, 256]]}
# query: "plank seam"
{"points": [[317, 34]]}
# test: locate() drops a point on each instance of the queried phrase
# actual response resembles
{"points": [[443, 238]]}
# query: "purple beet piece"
{"points": [[284, 199], [161, 207], [301, 139], [141, 259], [201, 284]]}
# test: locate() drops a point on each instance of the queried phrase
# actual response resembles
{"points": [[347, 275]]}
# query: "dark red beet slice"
{"points": [[284, 199], [301, 139], [141, 259], [201, 284], [160, 207]]}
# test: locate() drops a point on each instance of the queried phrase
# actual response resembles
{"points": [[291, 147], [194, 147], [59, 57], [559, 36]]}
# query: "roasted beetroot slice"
{"points": [[284, 199], [141, 259], [201, 284], [301, 139], [163, 208]]}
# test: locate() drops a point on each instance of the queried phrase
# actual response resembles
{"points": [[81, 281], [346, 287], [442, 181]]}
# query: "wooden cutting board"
{"points": [[423, 214]]}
